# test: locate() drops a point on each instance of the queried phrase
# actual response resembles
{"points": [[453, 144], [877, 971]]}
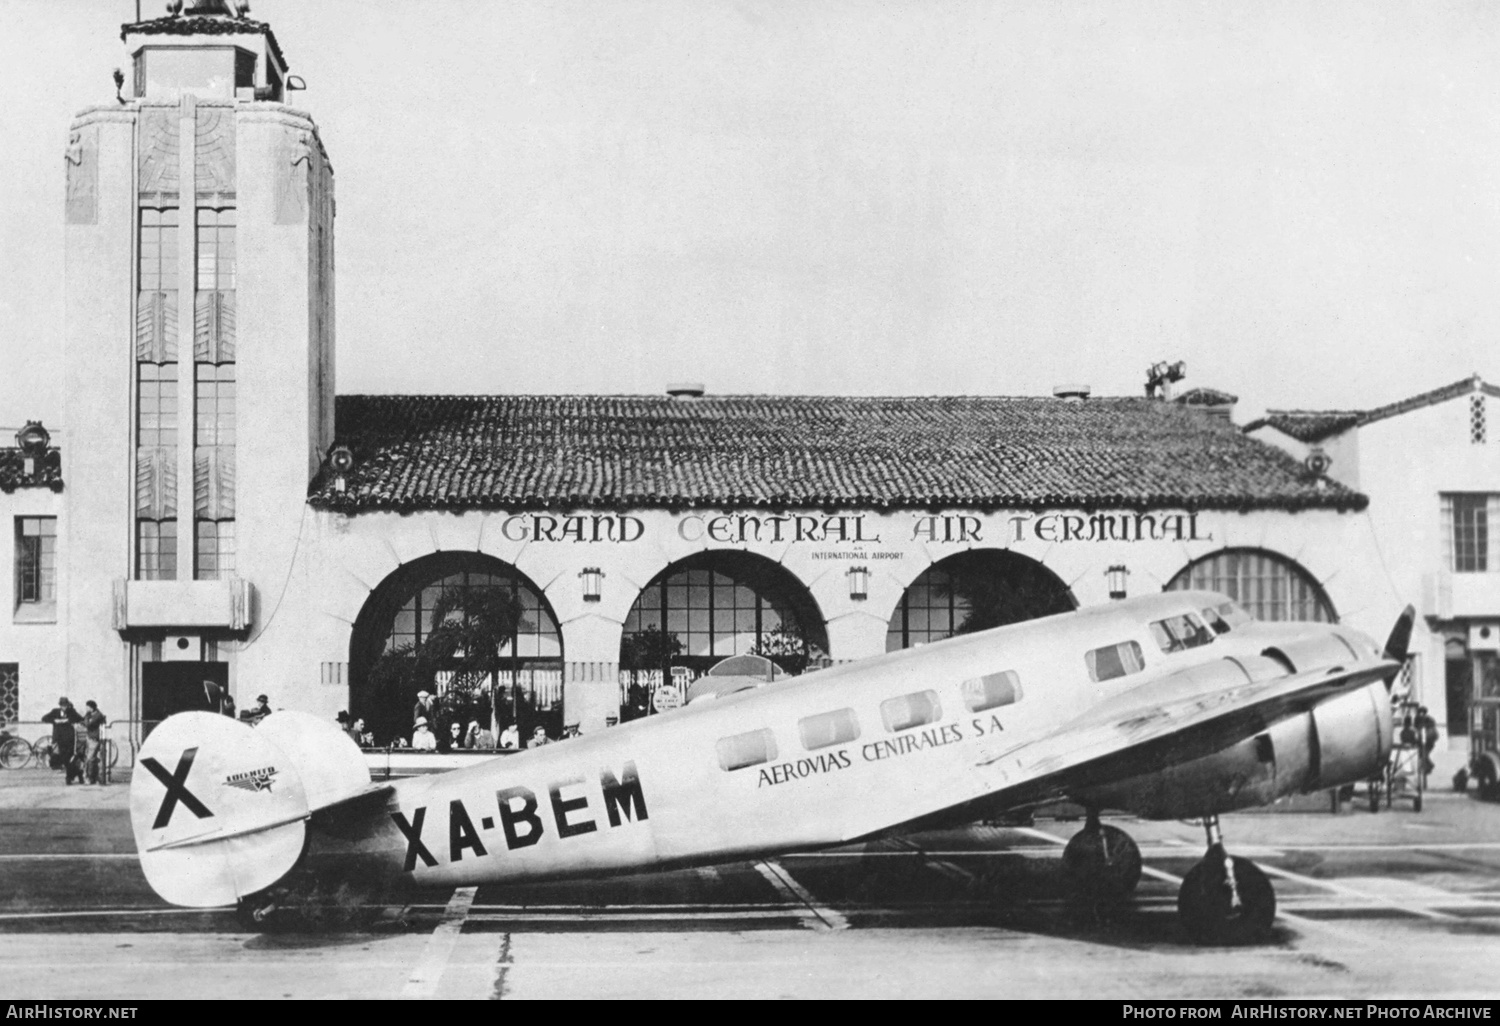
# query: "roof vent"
{"points": [[685, 390], [1075, 393]]}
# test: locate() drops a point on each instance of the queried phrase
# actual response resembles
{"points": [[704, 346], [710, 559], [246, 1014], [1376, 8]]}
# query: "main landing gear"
{"points": [[1101, 863], [1224, 899]]}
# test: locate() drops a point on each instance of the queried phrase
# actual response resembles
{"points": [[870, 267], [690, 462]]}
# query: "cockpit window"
{"points": [[1180, 633], [1217, 622], [1234, 615]]}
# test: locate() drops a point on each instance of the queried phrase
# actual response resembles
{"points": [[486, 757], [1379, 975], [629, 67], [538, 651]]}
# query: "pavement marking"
{"points": [[423, 982], [1378, 900], [64, 855], [820, 917], [957, 874], [91, 913]]}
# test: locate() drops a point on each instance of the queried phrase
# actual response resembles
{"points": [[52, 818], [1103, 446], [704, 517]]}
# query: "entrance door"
{"points": [[168, 688]]}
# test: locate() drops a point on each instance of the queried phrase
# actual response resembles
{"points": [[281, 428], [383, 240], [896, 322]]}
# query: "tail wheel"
{"points": [[15, 753], [1216, 909], [1102, 863]]}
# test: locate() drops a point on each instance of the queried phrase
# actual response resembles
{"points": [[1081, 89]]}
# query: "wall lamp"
{"points": [[593, 583], [859, 583], [1116, 576], [32, 440]]}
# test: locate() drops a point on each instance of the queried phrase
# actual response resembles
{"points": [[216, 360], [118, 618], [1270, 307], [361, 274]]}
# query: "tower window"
{"points": [[156, 549], [215, 405], [215, 549], [215, 249], [156, 405], [1477, 426], [158, 250]]}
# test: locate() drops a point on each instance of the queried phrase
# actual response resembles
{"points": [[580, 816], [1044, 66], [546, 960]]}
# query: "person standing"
{"points": [[93, 743], [425, 709], [64, 737]]}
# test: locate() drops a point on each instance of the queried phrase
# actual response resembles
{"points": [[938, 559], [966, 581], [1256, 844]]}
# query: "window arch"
{"points": [[398, 648], [707, 608], [973, 591], [1269, 586]]}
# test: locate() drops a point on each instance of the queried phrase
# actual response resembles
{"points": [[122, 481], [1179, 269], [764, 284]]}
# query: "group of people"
{"points": [[426, 714], [81, 764]]}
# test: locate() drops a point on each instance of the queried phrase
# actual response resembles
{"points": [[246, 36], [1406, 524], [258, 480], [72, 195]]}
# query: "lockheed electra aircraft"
{"points": [[1172, 706]]}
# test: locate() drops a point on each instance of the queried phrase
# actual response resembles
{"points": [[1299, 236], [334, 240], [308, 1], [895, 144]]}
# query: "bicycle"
{"points": [[15, 753]]}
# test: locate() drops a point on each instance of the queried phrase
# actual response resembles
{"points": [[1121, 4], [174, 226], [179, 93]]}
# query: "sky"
{"points": [[1300, 200]]}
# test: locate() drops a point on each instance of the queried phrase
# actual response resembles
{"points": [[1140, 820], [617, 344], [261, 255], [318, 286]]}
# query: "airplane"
{"points": [[1171, 706]]}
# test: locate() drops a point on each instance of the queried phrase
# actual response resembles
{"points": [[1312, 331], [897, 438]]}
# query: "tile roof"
{"points": [[189, 24], [1315, 425], [528, 452], [48, 473], [1206, 397], [1308, 426]]}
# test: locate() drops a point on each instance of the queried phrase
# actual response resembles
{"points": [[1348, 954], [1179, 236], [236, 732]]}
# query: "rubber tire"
{"points": [[15, 753], [1461, 781], [1203, 902], [1102, 865]]}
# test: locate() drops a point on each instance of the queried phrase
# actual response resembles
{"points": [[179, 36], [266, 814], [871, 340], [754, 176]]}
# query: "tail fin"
{"points": [[218, 807]]}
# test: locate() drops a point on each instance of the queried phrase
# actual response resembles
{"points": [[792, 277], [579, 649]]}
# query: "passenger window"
{"points": [[1179, 633], [1216, 621], [1113, 661], [991, 691], [830, 728], [749, 749], [910, 711]]}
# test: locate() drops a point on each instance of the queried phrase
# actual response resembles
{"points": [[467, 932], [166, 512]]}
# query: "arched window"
{"points": [[707, 608], [1268, 586], [973, 591], [469, 629]]}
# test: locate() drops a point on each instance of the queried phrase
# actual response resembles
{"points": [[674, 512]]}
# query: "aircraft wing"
{"points": [[1145, 730]]}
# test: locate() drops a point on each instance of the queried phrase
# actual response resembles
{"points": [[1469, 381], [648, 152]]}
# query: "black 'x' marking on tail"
{"points": [[176, 792]]}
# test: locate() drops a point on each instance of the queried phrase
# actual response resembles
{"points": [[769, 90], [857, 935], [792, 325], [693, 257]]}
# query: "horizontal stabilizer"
{"points": [[217, 810]]}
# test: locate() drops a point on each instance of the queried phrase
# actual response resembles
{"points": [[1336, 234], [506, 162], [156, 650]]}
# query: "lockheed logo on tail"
{"points": [[254, 780]]}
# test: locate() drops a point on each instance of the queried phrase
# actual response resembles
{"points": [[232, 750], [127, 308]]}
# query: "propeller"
{"points": [[1399, 642]]}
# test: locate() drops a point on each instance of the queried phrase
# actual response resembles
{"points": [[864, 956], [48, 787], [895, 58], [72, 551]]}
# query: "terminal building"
{"points": [[1430, 465], [212, 510]]}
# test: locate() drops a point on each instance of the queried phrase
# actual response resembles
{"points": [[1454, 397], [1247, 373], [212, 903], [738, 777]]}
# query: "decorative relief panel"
{"points": [[213, 482], [82, 160], [294, 158], [158, 148], [215, 151], [156, 327], [213, 328], [156, 483]]}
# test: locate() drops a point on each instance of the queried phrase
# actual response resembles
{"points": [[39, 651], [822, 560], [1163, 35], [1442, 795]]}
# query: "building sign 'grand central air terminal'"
{"points": [[213, 510]]}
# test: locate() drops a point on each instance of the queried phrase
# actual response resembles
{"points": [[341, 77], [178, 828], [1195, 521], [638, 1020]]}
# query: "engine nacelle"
{"points": [[1340, 741]]}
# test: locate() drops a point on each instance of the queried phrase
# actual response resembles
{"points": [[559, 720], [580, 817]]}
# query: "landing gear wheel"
{"points": [[1102, 863], [1218, 910], [1461, 781]]}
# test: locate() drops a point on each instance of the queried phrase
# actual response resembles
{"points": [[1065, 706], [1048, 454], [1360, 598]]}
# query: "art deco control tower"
{"points": [[199, 354]]}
